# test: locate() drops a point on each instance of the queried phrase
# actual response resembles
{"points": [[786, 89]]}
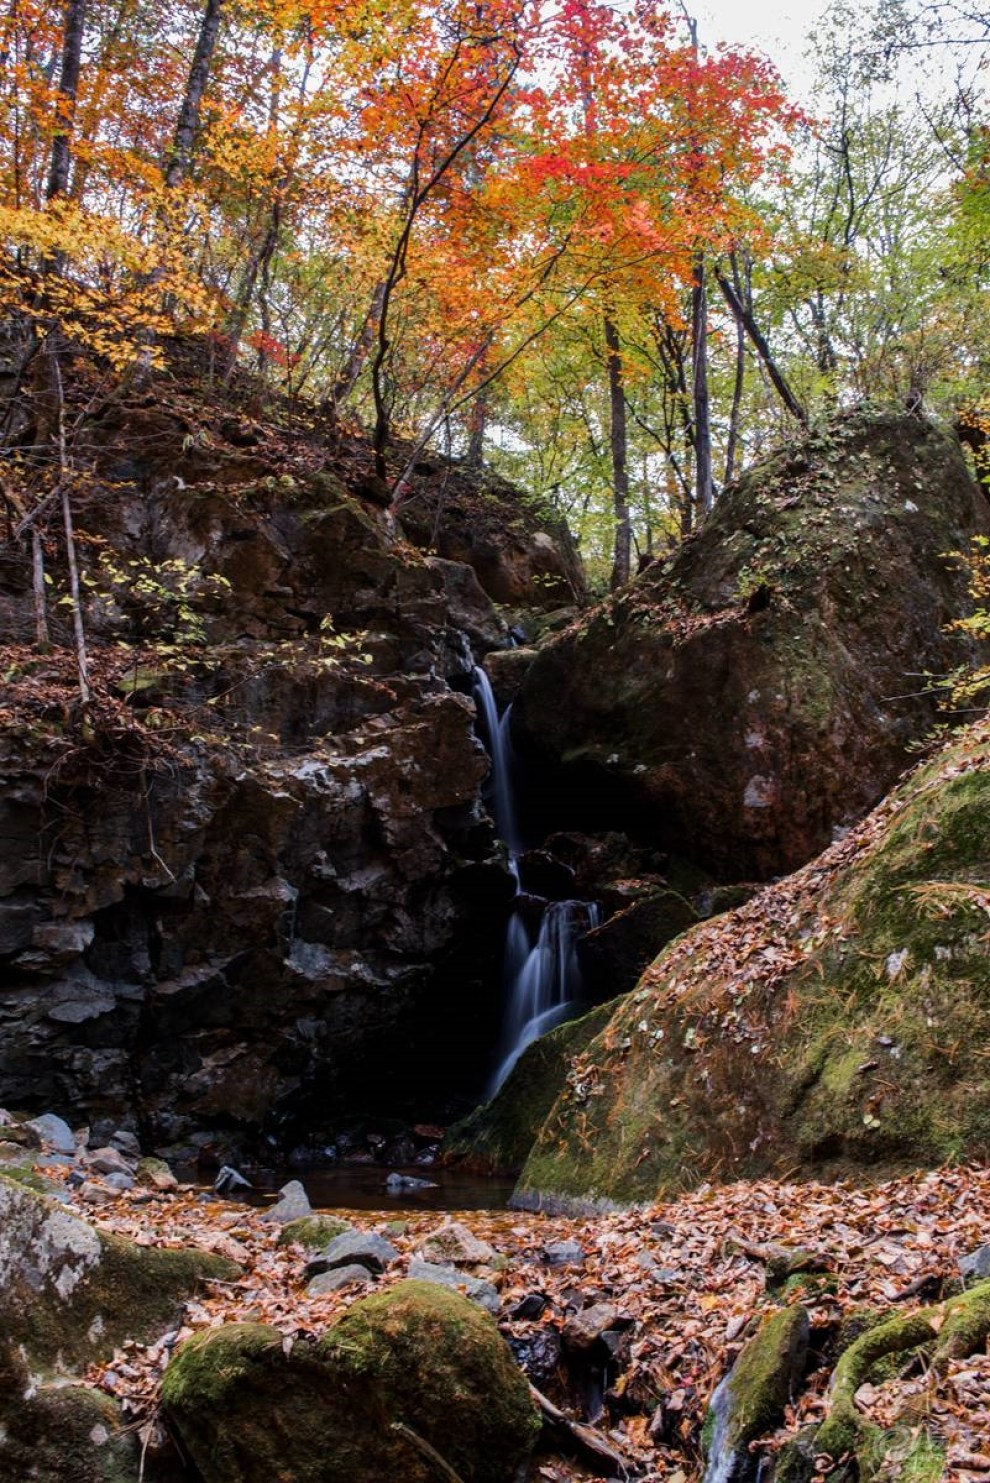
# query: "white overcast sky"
{"points": [[778, 28]]}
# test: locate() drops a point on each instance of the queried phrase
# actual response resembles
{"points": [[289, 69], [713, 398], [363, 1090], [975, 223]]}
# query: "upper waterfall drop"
{"points": [[495, 735]]}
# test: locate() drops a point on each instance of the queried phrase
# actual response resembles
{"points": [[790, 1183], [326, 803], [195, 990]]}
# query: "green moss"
{"points": [[312, 1231], [414, 1360], [762, 1379], [69, 1433], [966, 1326], [26, 1175], [845, 1429]]}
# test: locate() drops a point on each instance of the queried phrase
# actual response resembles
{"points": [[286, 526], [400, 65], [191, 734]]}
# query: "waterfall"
{"points": [[542, 978], [495, 735]]}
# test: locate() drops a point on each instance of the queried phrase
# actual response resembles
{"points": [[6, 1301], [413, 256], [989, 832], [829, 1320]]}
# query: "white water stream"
{"points": [[542, 977]]}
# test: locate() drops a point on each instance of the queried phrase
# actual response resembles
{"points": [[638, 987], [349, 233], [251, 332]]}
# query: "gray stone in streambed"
{"points": [[750, 1401], [398, 1184], [54, 1131], [563, 1254], [349, 1276], [482, 1293], [293, 1204], [228, 1180], [360, 1248], [976, 1264]]}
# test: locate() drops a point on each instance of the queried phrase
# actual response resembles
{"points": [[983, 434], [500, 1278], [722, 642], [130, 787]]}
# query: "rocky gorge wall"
{"points": [[253, 881]]}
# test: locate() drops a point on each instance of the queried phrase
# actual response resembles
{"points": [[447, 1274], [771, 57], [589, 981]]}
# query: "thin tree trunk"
{"points": [[703, 481], [357, 357], [745, 319], [68, 86], [42, 637], [82, 661], [187, 126], [477, 427], [618, 440]]}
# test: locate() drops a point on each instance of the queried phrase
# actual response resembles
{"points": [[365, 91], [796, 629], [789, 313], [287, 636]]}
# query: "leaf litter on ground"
{"points": [[686, 1278]]}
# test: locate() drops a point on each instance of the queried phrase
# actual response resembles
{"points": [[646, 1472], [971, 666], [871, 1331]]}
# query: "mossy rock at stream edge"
{"points": [[497, 1136], [840, 1020], [69, 1294], [403, 1373], [751, 1399]]}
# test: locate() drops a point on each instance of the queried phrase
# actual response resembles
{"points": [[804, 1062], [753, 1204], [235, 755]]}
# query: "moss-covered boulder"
{"points": [[497, 1136], [751, 1399], [406, 1375], [760, 687], [69, 1293], [839, 1019], [70, 1433]]}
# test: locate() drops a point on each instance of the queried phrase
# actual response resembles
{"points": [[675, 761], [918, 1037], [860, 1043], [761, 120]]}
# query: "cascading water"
{"points": [[542, 977], [495, 735]]}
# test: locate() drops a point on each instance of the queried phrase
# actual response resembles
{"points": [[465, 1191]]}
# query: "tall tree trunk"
{"points": [[744, 318], [75, 594], [477, 426], [618, 440], [703, 482], [187, 125], [68, 86]]}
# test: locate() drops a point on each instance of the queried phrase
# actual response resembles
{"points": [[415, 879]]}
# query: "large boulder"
{"points": [[405, 1375], [763, 686], [839, 1020], [68, 1295]]}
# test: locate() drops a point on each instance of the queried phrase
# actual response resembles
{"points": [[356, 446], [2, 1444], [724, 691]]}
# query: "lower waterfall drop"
{"points": [[542, 978]]}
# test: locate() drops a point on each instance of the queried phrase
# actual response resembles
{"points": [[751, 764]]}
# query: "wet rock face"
{"points": [[302, 903], [232, 942], [760, 689]]}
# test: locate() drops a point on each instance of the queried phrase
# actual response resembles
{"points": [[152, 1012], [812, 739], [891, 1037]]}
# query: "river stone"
{"points": [[483, 1293], [365, 1248], [338, 1277], [293, 1205], [563, 1254], [312, 1231], [750, 1401], [54, 1131], [413, 1362], [155, 1174], [976, 1264], [452, 1244], [109, 1161]]}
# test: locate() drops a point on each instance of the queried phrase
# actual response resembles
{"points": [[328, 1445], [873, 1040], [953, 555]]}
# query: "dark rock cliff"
{"points": [[253, 882]]}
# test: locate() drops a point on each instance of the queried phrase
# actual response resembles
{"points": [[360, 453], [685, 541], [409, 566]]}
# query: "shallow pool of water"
{"points": [[347, 1186]]}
